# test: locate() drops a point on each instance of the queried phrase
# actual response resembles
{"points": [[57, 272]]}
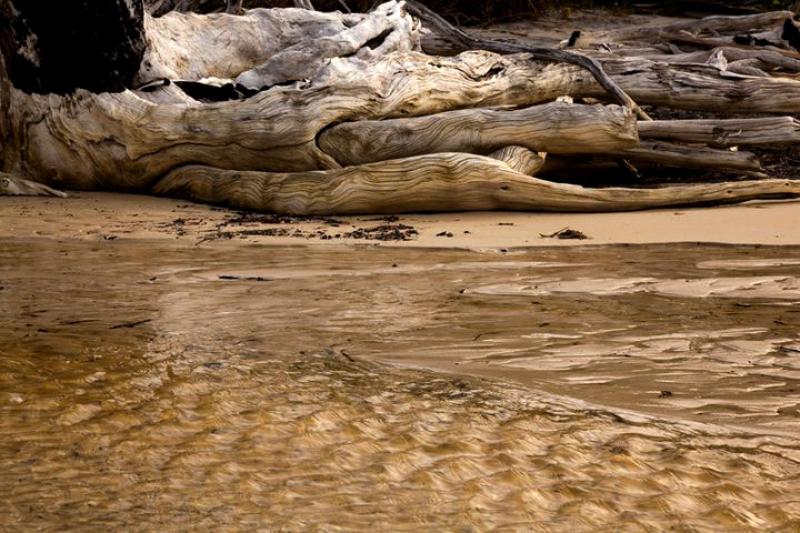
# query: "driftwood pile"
{"points": [[302, 112]]}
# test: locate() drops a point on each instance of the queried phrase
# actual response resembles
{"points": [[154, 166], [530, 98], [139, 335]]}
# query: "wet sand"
{"points": [[155, 374]]}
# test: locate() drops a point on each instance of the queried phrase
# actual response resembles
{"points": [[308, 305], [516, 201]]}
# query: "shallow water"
{"points": [[144, 385]]}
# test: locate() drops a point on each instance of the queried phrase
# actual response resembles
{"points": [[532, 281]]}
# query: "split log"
{"points": [[768, 131], [441, 183], [558, 128]]}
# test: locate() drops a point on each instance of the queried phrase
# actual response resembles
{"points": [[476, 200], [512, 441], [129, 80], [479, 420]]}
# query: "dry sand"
{"points": [[99, 216]]}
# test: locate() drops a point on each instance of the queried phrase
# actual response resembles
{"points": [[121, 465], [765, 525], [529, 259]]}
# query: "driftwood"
{"points": [[558, 128], [343, 113], [767, 131], [439, 182], [520, 159], [671, 155], [713, 25], [16, 186]]}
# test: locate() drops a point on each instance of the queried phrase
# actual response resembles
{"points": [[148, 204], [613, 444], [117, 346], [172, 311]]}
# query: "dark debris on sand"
{"points": [[564, 234], [239, 225]]}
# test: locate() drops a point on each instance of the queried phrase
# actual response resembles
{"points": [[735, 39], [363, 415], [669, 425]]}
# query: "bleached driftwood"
{"points": [[283, 148], [713, 24], [557, 128], [671, 155], [16, 186], [520, 159], [438, 182], [767, 59], [767, 131]]}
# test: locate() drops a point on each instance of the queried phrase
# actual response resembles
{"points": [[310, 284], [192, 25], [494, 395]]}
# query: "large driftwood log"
{"points": [[438, 182], [132, 142], [558, 128]]}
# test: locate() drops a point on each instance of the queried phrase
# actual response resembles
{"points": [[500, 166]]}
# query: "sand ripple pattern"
{"points": [[171, 399]]}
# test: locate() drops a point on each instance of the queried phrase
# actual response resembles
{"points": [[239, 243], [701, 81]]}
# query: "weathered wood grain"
{"points": [[438, 182], [765, 131], [558, 128]]}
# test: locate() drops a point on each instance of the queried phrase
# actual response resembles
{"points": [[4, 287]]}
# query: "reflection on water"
{"points": [[640, 388]]}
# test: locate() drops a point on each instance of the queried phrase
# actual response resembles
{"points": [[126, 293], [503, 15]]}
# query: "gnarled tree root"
{"points": [[439, 182]]}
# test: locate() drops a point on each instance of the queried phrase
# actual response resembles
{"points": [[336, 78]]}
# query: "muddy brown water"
{"points": [[146, 385]]}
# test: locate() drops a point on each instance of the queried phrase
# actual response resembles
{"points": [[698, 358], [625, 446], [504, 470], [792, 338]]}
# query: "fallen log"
{"points": [[132, 142], [767, 131], [670, 155], [438, 182], [709, 42], [768, 59], [558, 128], [657, 155], [714, 24], [698, 87]]}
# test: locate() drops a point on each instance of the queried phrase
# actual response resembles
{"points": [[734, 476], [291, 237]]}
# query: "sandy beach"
{"points": [[110, 216]]}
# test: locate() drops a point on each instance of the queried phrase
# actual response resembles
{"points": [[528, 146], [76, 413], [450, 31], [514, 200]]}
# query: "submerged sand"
{"points": [[167, 363]]}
